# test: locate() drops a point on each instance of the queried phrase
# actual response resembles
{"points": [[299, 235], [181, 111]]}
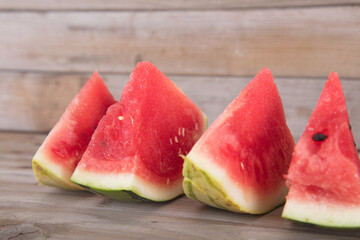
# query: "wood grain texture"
{"points": [[35, 101], [31, 211], [290, 41], [161, 4]]}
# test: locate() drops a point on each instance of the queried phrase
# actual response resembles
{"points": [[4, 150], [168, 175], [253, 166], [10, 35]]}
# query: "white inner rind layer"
{"points": [[247, 200], [128, 182], [323, 214], [58, 176]]}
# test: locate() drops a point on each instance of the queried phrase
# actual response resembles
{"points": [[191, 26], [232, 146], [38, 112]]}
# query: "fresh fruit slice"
{"points": [[239, 162], [134, 152], [57, 157], [324, 174]]}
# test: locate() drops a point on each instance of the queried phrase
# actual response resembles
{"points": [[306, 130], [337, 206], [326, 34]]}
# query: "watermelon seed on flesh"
{"points": [[319, 137]]}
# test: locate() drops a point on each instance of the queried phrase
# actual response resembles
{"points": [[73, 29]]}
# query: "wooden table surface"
{"points": [[210, 49], [31, 211]]}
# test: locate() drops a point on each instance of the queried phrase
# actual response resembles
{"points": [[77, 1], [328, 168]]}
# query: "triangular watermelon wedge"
{"points": [[239, 162], [57, 157], [324, 175], [135, 151]]}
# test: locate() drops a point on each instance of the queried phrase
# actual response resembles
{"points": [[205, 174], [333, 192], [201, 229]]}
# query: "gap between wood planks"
{"points": [[67, 6], [170, 75]]}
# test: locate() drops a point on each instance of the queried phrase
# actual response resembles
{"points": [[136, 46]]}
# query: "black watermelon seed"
{"points": [[350, 126], [354, 144], [319, 137]]}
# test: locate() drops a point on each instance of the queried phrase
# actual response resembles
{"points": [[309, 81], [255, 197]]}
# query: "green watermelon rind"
{"points": [[327, 215], [201, 183], [195, 177], [123, 195], [49, 174], [125, 187]]}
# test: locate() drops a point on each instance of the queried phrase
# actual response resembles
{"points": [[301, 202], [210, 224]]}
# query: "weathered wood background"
{"points": [[210, 49]]}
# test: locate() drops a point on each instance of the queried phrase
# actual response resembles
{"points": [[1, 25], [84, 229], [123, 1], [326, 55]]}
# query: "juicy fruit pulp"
{"points": [[324, 175], [57, 157], [239, 162], [135, 151]]}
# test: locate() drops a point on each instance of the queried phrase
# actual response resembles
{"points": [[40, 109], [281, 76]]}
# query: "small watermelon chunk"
{"points": [[324, 174], [239, 162], [57, 157], [135, 151]]}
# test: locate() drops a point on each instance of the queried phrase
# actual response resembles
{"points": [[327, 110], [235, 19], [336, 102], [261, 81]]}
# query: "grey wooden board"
{"points": [[296, 42], [31, 211], [37, 5]]}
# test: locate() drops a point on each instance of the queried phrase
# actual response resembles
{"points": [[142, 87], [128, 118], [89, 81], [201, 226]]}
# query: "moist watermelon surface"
{"points": [[57, 157], [136, 150], [239, 162], [324, 175]]}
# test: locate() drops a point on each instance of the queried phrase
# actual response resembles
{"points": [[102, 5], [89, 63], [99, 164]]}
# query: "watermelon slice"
{"points": [[135, 151], [324, 175], [57, 157], [239, 162]]}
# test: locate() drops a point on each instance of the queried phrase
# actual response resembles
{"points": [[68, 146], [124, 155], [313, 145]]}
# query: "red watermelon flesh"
{"points": [[56, 159], [239, 162], [324, 175], [137, 146]]}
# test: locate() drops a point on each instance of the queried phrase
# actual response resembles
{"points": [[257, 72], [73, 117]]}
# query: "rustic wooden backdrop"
{"points": [[210, 49]]}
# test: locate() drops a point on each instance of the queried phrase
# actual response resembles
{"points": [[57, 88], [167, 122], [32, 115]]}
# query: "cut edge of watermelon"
{"points": [[125, 186], [53, 177], [199, 171], [328, 215]]}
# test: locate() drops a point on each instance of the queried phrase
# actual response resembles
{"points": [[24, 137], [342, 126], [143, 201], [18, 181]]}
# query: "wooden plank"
{"points": [[28, 210], [35, 101], [290, 41], [160, 4]]}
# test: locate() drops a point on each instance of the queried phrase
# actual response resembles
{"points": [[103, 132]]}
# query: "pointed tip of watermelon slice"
{"points": [[264, 75], [334, 79], [96, 74], [333, 75], [142, 67], [265, 70], [334, 83], [146, 71]]}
